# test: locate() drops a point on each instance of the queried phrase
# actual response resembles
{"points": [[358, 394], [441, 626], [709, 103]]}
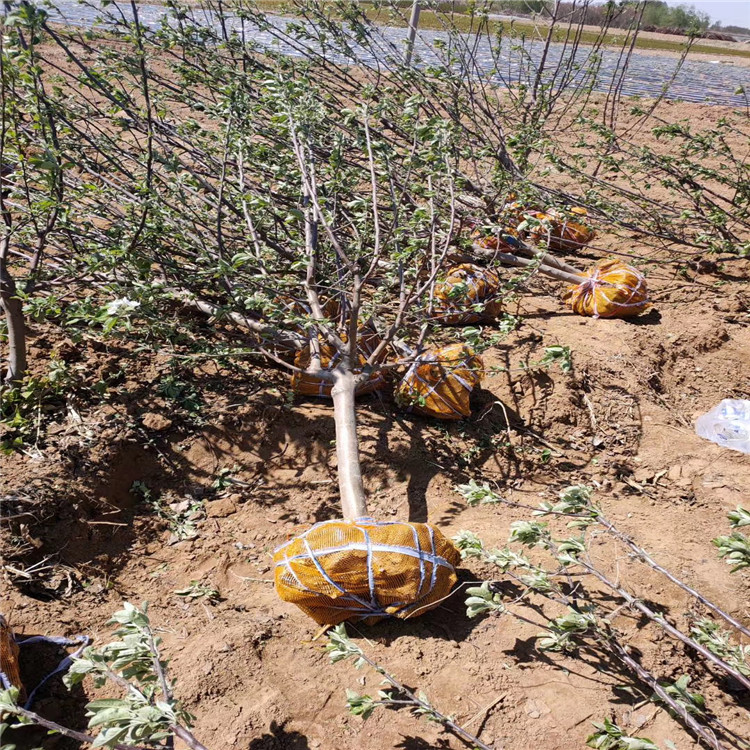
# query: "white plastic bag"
{"points": [[727, 424]]}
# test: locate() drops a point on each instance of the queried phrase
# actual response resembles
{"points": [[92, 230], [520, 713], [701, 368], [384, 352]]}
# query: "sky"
{"points": [[733, 12]]}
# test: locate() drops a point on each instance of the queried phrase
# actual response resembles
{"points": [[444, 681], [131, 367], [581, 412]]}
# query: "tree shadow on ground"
{"points": [[278, 738], [447, 621], [418, 743], [93, 518], [462, 445], [652, 318], [459, 449]]}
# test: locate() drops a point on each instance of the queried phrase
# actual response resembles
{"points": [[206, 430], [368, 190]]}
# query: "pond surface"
{"points": [[697, 81]]}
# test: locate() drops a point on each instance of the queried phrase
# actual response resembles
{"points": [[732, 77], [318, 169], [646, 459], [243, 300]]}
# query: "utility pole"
{"points": [[413, 23]]}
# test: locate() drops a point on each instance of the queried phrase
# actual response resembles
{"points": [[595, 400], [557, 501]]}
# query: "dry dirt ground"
{"points": [[247, 666]]}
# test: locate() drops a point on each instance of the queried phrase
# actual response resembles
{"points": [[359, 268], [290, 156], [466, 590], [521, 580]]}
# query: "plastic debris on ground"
{"points": [[727, 425]]}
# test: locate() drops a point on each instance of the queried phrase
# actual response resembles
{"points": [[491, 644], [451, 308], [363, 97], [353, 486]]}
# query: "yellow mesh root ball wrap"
{"points": [[439, 383], [309, 385], [561, 231], [611, 289], [463, 288], [502, 241], [9, 659], [365, 570]]}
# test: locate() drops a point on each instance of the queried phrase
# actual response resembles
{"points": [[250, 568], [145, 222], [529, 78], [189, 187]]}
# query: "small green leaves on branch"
{"points": [[608, 736], [530, 534], [483, 600], [538, 580], [477, 494], [506, 559], [578, 495], [468, 544], [341, 647], [693, 703], [560, 355], [8, 701], [130, 720], [569, 550], [147, 714], [564, 632], [197, 590], [735, 548], [362, 705], [573, 501], [131, 656], [709, 634], [586, 621], [148, 711], [425, 709], [739, 517]]}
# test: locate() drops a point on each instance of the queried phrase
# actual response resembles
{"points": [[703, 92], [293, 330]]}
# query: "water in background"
{"points": [[647, 75]]}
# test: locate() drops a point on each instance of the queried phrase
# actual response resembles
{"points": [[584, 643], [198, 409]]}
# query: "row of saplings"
{"points": [[362, 569]]}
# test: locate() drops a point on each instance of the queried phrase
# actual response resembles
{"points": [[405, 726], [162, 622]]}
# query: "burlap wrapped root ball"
{"points": [[560, 230], [467, 294], [365, 570], [504, 240], [440, 381], [309, 385], [9, 660], [611, 289]]}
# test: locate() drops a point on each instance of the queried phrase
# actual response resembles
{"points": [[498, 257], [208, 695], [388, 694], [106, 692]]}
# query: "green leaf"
{"points": [[9, 699], [110, 737], [468, 544], [474, 493], [739, 517], [360, 705], [482, 600]]}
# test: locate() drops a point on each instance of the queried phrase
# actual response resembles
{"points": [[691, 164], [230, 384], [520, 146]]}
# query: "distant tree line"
{"points": [[657, 15], [619, 14], [730, 29]]}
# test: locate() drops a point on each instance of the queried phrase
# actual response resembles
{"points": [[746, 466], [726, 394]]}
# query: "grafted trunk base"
{"points": [[351, 488]]}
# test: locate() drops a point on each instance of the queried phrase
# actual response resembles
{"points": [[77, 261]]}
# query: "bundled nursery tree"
{"points": [[168, 147], [316, 217]]}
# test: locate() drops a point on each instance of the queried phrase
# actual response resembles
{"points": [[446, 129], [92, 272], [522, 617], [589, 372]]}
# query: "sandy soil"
{"points": [[246, 666]]}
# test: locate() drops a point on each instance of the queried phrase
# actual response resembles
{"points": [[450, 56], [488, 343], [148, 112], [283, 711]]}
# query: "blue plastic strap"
{"points": [[80, 640]]}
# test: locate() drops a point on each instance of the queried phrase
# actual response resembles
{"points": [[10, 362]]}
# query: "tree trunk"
{"points": [[13, 308], [412, 34], [351, 489], [515, 260]]}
